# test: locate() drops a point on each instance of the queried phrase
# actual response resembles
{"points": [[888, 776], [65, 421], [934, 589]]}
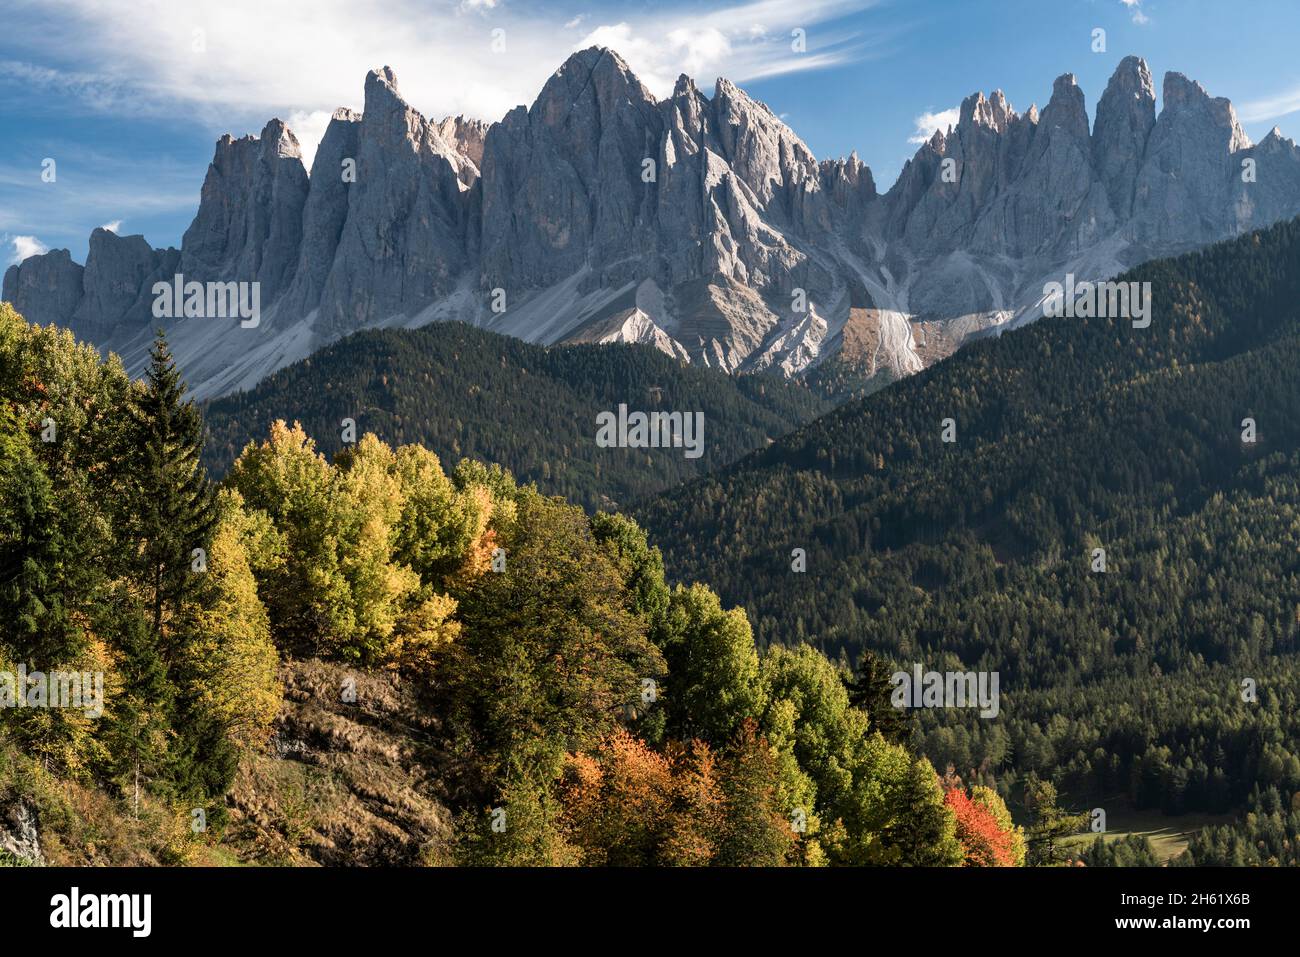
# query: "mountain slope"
{"points": [[1071, 435], [463, 392], [699, 224]]}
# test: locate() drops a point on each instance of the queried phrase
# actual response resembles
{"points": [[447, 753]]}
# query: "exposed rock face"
{"points": [[403, 240], [1185, 188], [325, 211], [1126, 113], [700, 224], [45, 288], [249, 224], [117, 283], [18, 834], [562, 181], [467, 138]]}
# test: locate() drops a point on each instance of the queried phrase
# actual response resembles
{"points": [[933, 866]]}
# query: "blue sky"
{"points": [[127, 96]]}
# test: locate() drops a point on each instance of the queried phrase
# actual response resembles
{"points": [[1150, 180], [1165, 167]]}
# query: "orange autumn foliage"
{"points": [[984, 843], [630, 806]]}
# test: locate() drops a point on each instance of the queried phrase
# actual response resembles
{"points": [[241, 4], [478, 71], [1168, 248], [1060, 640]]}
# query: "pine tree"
{"points": [[925, 831], [170, 501], [140, 725], [871, 690]]}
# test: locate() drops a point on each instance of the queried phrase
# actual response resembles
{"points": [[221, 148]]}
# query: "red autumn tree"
{"points": [[984, 843]]}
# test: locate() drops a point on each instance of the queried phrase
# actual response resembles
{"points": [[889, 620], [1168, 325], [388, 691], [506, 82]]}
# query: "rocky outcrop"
{"points": [[249, 224], [18, 833], [117, 283], [1126, 114], [45, 288], [403, 240], [344, 782], [700, 223], [467, 138]]}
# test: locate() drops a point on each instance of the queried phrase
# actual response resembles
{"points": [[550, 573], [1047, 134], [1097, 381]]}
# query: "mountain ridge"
{"points": [[464, 392], [701, 225], [1112, 529]]}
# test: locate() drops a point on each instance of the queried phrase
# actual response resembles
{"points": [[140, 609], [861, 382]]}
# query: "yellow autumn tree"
{"points": [[231, 664]]}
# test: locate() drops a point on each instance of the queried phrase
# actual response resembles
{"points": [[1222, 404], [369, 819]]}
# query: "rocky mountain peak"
{"points": [[1182, 95], [1066, 109], [1131, 79], [1126, 114], [466, 136], [994, 113], [279, 139], [382, 82], [686, 222]]}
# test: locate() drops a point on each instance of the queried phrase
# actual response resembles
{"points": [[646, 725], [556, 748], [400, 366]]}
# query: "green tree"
{"points": [[755, 830], [713, 679], [169, 499], [139, 728], [871, 690], [924, 831], [1049, 823]]}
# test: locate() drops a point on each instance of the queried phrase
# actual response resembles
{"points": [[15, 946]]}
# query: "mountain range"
{"points": [[703, 226], [1107, 517], [463, 392]]}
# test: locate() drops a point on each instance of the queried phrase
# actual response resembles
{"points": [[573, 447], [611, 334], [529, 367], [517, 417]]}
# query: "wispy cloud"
{"points": [[24, 246], [927, 123], [1271, 107], [744, 42], [93, 187], [1135, 7], [232, 62]]}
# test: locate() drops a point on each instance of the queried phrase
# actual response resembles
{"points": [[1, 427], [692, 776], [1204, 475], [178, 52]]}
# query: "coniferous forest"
{"points": [[510, 677], [463, 392], [1114, 531], [384, 656]]}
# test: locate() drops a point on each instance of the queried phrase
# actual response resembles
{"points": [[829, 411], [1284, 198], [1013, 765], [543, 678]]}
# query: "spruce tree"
{"points": [[171, 502], [925, 832], [170, 512], [139, 729], [871, 691]]}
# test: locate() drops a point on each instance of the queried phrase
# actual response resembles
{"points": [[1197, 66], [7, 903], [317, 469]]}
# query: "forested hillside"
{"points": [[463, 392], [1169, 679], [378, 660]]}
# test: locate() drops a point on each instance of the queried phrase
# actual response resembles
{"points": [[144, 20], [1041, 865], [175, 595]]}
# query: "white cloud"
{"points": [[747, 41], [1270, 107], [113, 226], [575, 22], [927, 123], [309, 128], [300, 59], [25, 246], [1140, 18]]}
